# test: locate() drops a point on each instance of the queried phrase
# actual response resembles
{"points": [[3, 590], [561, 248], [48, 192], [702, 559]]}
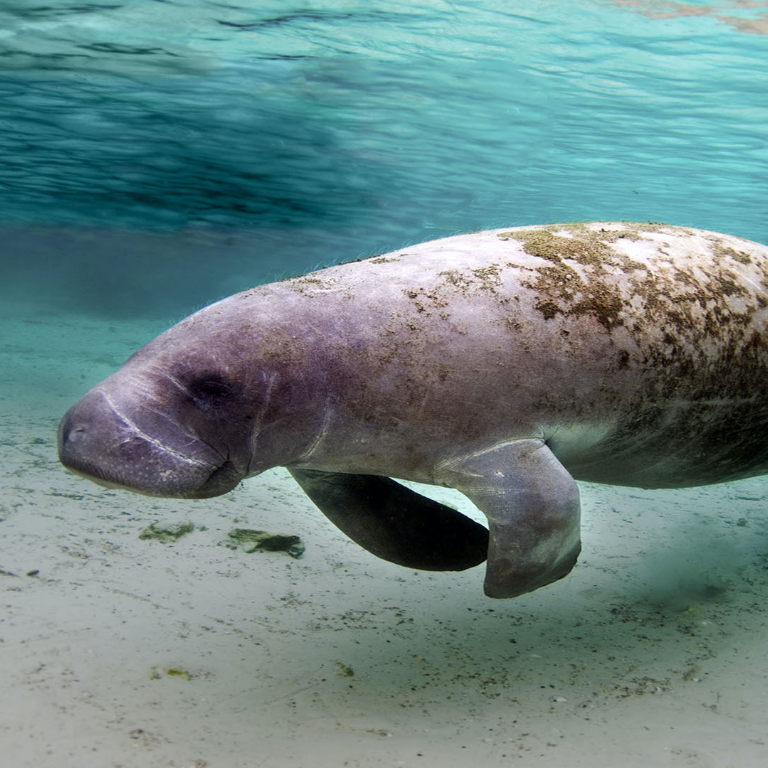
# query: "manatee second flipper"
{"points": [[394, 522], [533, 511]]}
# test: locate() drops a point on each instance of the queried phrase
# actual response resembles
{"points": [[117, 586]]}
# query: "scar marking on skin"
{"points": [[176, 383], [152, 440], [324, 429], [270, 385], [193, 437]]}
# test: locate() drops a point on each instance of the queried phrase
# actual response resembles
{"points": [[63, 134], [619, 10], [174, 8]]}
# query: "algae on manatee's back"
{"points": [[253, 541]]}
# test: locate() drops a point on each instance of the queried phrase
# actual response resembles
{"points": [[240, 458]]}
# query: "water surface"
{"points": [[157, 155]]}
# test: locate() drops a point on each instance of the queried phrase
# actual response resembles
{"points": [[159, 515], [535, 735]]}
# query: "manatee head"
{"points": [[189, 415]]}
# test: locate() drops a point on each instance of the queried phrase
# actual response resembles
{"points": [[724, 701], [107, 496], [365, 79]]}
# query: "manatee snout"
{"points": [[128, 448]]}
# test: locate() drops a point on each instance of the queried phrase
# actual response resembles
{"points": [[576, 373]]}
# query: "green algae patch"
{"points": [[178, 672], [261, 541], [156, 674], [166, 532], [344, 670]]}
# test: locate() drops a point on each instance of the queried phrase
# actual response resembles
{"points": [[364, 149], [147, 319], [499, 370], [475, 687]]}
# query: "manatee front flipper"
{"points": [[532, 506], [394, 522]]}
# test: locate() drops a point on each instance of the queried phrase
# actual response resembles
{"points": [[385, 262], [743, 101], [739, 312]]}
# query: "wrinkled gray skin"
{"points": [[503, 363]]}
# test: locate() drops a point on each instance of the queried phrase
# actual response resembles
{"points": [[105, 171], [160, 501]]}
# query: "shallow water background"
{"points": [[156, 155], [159, 155]]}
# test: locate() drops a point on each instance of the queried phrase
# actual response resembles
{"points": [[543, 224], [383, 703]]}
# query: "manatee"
{"points": [[507, 364]]}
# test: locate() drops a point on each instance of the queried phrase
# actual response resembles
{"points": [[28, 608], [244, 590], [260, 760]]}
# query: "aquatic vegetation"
{"points": [[262, 541], [166, 532]]}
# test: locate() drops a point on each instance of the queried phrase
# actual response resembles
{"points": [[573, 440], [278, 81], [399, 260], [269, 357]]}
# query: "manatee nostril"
{"points": [[73, 434], [71, 439]]}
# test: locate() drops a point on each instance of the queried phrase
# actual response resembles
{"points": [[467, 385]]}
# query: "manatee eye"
{"points": [[211, 390]]}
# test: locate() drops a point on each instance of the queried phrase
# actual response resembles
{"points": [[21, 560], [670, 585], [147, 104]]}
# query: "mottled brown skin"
{"points": [[502, 363]]}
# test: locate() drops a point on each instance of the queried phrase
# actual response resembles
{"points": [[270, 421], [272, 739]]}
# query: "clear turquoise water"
{"points": [[157, 155]]}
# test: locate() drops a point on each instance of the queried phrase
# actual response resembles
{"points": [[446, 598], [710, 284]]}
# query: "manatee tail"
{"points": [[394, 522]]}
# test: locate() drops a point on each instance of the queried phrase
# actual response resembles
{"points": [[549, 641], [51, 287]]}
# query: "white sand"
{"points": [[651, 653]]}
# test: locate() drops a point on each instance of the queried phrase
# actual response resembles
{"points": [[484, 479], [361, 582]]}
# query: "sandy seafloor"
{"points": [[652, 652]]}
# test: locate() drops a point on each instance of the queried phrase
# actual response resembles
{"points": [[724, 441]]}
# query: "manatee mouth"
{"points": [[89, 471], [109, 449], [222, 480]]}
